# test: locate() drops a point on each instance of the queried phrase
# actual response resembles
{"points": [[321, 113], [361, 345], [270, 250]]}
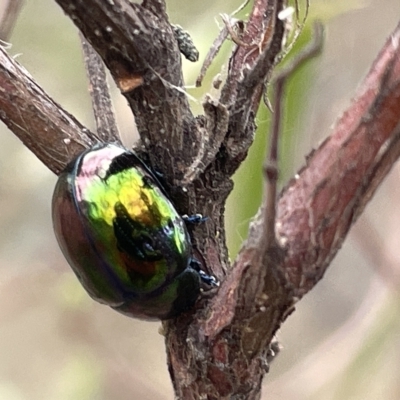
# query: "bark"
{"points": [[221, 349]]}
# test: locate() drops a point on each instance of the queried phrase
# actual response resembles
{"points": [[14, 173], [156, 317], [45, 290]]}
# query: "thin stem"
{"points": [[106, 124], [12, 9], [271, 163]]}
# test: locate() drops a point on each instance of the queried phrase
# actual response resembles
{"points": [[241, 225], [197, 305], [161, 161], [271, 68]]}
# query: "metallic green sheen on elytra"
{"points": [[122, 236]]}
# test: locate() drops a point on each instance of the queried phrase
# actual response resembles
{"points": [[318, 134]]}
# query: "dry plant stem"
{"points": [[240, 8], [271, 163], [138, 46], [11, 10], [50, 132], [314, 214], [221, 350], [248, 67], [230, 26], [106, 125], [317, 209], [212, 53]]}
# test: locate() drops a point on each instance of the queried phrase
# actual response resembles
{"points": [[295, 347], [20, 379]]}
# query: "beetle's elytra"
{"points": [[123, 237]]}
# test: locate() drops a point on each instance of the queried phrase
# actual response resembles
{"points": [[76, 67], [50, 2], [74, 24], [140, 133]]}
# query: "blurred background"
{"points": [[343, 340]]}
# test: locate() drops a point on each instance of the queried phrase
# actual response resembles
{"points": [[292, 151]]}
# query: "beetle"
{"points": [[122, 236]]}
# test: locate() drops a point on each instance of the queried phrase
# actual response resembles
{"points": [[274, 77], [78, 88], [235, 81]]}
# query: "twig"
{"points": [[271, 163], [240, 8], [248, 68], [229, 24], [106, 124], [212, 53], [49, 131], [10, 15]]}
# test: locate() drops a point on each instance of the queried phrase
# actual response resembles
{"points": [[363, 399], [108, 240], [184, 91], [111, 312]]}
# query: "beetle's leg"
{"points": [[208, 279], [205, 278], [194, 219]]}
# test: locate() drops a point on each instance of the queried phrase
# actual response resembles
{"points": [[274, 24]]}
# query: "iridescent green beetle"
{"points": [[122, 236]]}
